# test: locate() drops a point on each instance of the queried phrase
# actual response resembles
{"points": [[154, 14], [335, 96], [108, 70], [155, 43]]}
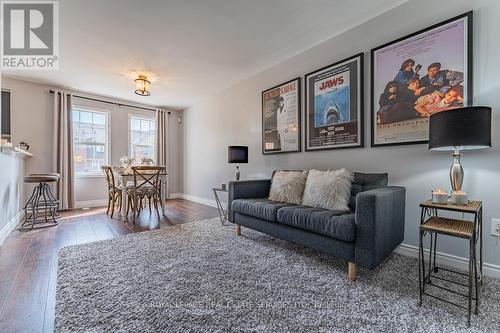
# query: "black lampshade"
{"points": [[237, 154], [466, 128]]}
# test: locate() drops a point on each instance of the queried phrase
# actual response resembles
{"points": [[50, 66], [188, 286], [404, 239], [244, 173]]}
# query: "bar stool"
{"points": [[51, 195], [41, 208]]}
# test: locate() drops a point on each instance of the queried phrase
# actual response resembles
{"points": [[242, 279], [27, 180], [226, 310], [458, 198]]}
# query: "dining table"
{"points": [[125, 175]]}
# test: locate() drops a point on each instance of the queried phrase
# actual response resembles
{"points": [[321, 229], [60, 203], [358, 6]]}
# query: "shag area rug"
{"points": [[201, 277]]}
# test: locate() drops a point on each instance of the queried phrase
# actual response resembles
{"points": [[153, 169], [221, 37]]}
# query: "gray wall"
{"points": [[233, 117], [28, 102], [32, 121]]}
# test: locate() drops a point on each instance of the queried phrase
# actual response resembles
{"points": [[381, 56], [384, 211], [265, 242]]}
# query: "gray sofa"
{"points": [[363, 236]]}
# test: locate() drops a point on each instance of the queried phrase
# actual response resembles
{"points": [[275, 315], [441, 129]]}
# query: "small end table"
{"points": [[471, 230], [223, 214]]}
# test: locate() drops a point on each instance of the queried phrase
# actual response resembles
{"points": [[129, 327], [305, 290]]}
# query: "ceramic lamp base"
{"points": [[456, 172]]}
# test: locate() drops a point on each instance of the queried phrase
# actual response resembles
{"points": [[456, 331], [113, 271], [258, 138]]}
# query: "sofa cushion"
{"points": [[365, 182], [333, 223], [261, 208]]}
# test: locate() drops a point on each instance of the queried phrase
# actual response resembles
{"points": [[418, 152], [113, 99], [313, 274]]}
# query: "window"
{"points": [[141, 138], [90, 141]]}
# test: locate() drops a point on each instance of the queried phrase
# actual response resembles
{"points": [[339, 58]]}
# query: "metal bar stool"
{"points": [[50, 194], [41, 208]]}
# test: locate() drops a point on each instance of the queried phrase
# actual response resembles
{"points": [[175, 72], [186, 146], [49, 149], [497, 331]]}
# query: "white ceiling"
{"points": [[188, 48]]}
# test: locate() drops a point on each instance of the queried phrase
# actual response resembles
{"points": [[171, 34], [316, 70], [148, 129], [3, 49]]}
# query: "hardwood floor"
{"points": [[28, 260]]}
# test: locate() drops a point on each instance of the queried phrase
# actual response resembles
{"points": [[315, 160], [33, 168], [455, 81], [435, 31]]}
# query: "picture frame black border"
{"points": [[470, 46], [299, 102], [361, 76], [7, 136]]}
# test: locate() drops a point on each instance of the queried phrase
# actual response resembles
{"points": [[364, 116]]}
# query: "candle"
{"points": [[459, 198], [439, 196]]}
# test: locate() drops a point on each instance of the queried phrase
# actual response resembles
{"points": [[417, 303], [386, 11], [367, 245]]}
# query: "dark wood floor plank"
{"points": [[12, 256], [101, 228], [119, 228], [28, 295], [83, 230], [28, 260], [65, 236]]}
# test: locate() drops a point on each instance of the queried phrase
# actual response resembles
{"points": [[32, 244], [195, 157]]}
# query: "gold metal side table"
{"points": [[471, 230]]}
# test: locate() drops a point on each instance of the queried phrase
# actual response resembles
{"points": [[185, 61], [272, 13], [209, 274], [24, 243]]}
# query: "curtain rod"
{"points": [[109, 102]]}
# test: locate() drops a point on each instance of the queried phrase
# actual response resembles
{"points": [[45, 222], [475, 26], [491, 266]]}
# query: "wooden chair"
{"points": [[114, 190], [147, 185]]}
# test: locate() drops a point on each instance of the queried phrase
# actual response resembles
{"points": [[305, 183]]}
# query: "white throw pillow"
{"points": [[288, 186], [328, 189]]}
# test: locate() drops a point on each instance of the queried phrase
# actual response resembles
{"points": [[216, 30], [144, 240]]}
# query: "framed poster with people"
{"points": [[418, 75], [334, 104], [281, 114]]}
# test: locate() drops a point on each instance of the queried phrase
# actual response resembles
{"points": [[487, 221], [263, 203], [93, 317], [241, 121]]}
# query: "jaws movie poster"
{"points": [[334, 107]]}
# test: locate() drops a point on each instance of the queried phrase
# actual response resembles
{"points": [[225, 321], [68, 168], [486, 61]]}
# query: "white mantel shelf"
{"points": [[15, 151]]}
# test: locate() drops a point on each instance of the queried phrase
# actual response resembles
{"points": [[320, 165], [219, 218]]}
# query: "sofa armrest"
{"points": [[380, 222], [247, 189]]}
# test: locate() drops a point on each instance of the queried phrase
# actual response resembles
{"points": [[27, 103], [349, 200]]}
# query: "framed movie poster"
{"points": [[418, 75], [334, 103], [281, 115]]}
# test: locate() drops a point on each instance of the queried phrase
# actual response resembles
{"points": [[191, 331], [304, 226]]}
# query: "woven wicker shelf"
{"points": [[451, 227], [472, 207]]}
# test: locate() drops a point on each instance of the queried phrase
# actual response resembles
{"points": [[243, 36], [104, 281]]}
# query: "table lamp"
{"points": [[237, 154], [460, 129]]}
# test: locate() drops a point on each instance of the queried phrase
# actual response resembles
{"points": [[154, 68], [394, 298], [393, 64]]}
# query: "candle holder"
{"points": [[439, 197], [459, 198]]}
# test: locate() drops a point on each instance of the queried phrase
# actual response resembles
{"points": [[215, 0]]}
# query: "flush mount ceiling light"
{"points": [[142, 86]]}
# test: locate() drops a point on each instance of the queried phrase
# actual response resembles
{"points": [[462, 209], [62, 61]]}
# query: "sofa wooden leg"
{"points": [[351, 271], [238, 230]]}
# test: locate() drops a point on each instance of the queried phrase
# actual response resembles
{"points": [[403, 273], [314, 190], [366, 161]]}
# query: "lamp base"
{"points": [[237, 172], [456, 172]]}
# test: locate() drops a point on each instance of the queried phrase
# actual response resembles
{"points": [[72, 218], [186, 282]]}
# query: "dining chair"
{"points": [[114, 190], [147, 185]]}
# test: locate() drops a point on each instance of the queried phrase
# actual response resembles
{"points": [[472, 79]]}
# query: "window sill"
{"points": [[88, 175]]}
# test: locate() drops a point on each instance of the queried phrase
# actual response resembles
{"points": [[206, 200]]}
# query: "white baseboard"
{"points": [[176, 196], [450, 260], [203, 201], [91, 203], [11, 225]]}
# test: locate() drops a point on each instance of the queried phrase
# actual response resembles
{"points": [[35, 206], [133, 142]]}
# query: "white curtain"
{"points": [[161, 145], [63, 150]]}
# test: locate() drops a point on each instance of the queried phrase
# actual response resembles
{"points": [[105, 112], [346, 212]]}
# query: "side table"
{"points": [[223, 215], [470, 230]]}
